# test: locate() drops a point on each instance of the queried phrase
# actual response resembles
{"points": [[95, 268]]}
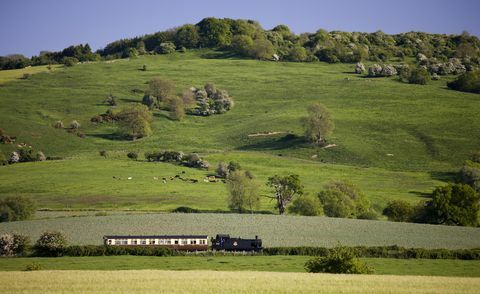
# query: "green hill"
{"points": [[393, 140]]}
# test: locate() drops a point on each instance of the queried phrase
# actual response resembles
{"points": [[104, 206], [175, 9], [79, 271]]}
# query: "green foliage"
{"points": [[70, 61], [343, 199], [175, 107], [241, 44], [187, 36], [50, 243], [341, 260], [214, 32], [419, 76], [285, 189], [306, 205], [457, 204], [132, 155], [185, 209], [160, 89], [16, 208], [297, 54], [103, 153], [34, 266], [398, 211], [135, 120], [166, 48], [262, 49], [243, 192], [318, 124], [467, 82]]}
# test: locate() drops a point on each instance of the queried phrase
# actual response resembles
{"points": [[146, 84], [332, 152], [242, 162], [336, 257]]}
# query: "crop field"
{"points": [[274, 230], [383, 141], [214, 282], [381, 266]]}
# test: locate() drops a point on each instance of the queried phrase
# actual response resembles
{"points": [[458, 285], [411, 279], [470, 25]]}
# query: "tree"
{"points": [[262, 49], [214, 32], [419, 76], [187, 36], [457, 204], [166, 48], [16, 208], [175, 107], [297, 54], [318, 124], [160, 88], [13, 244], [285, 189], [136, 121], [51, 244], [339, 260], [243, 192], [467, 82], [399, 211], [343, 199], [70, 61], [306, 205], [241, 44]]}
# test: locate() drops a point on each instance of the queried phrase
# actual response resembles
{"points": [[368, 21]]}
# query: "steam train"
{"points": [[186, 242]]}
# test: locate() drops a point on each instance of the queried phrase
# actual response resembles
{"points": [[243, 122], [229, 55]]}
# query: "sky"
{"points": [[29, 26]]}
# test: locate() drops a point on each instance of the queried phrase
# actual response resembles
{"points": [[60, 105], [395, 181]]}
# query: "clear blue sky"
{"points": [[28, 26]]}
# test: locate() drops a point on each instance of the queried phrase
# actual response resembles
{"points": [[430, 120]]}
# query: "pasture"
{"points": [[274, 230], [381, 266], [393, 140], [15, 74], [214, 282]]}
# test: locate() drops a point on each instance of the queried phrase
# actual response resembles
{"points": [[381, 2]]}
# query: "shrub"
{"points": [[306, 205], [34, 266], [340, 260], [70, 61], [132, 155], [3, 159], [185, 209], [13, 245], [419, 76], [160, 89], [467, 82], [103, 153], [40, 156], [398, 211], [318, 124], [243, 192], [457, 204], [26, 154], [297, 54], [262, 49], [241, 44], [50, 244], [144, 67], [14, 157], [74, 125], [58, 124], [16, 208], [166, 48], [135, 121], [343, 199], [470, 174], [111, 100], [175, 107], [222, 170]]}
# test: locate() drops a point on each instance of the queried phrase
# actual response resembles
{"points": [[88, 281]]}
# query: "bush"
{"points": [[16, 208], [103, 153], [58, 124], [306, 205], [297, 54], [185, 209], [467, 82], [419, 76], [74, 125], [13, 245], [318, 124], [34, 266], [70, 61], [341, 260], [50, 244], [470, 174], [160, 89], [40, 156], [241, 44], [135, 121], [343, 199], [175, 107], [166, 48], [111, 100], [132, 155], [262, 49], [398, 211]]}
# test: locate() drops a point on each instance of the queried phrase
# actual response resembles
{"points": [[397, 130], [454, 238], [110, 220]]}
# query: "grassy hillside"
{"points": [[15, 74], [382, 266], [273, 229], [215, 281], [394, 140]]}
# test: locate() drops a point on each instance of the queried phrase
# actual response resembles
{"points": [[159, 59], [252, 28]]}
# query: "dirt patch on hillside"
{"points": [[265, 134]]}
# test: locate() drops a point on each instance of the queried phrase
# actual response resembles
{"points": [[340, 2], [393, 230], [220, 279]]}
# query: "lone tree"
{"points": [[16, 208], [161, 89], [243, 192], [285, 189], [136, 121], [318, 124]]}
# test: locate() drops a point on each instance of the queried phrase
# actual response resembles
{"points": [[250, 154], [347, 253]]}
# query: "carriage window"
{"points": [[109, 242], [124, 242], [117, 242], [184, 242], [134, 242], [193, 241], [168, 241], [176, 241], [143, 242], [152, 242], [202, 242], [161, 241]]}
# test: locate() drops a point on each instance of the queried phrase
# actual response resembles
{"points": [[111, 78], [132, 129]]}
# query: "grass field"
{"points": [[374, 117], [147, 281], [381, 266], [15, 74], [274, 230]]}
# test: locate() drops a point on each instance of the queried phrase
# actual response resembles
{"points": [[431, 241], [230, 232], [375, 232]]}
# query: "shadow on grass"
{"points": [[421, 194], [444, 176], [111, 136], [220, 55], [275, 143], [130, 100]]}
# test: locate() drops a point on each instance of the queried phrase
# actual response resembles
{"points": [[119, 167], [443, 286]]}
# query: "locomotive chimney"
{"points": [[256, 237]]}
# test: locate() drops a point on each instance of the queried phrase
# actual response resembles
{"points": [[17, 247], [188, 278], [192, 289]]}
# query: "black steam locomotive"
{"points": [[224, 242]]}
